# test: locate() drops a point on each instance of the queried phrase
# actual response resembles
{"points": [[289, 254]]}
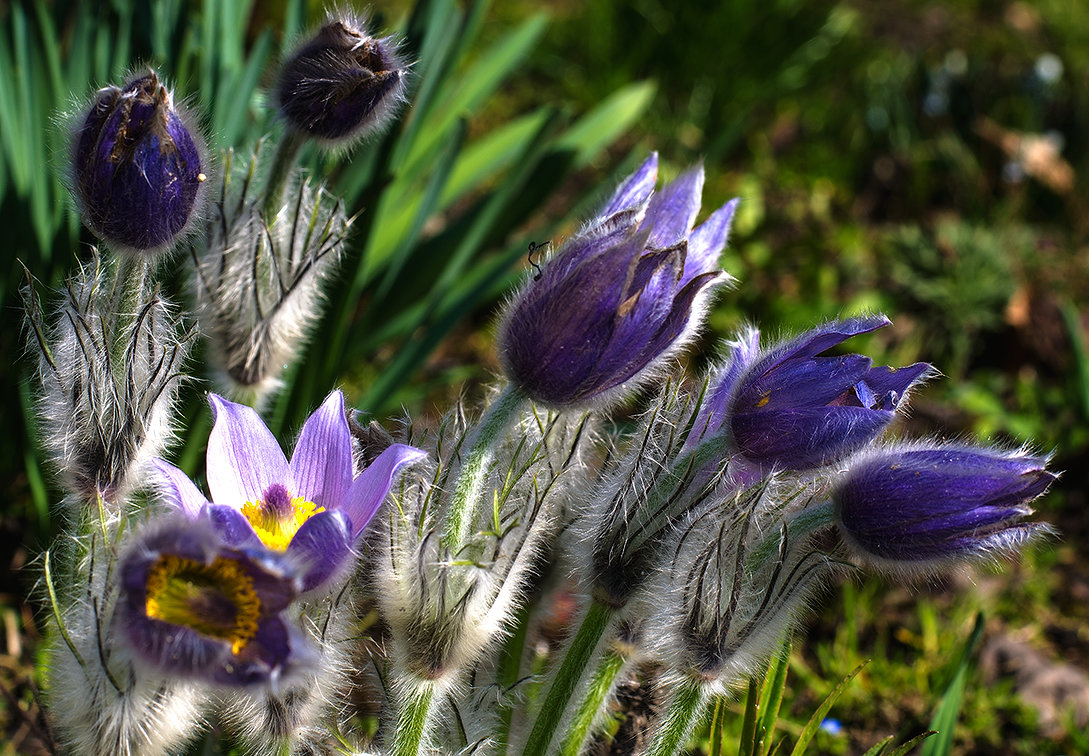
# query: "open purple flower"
{"points": [[790, 408], [922, 504], [619, 297], [192, 606], [137, 166], [311, 508]]}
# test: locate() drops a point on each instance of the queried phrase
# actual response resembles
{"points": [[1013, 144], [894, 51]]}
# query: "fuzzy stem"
{"points": [[127, 294], [575, 667], [283, 163], [411, 723], [601, 685], [475, 464], [675, 727]]}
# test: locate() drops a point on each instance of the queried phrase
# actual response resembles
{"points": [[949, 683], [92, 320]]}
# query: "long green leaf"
{"points": [[945, 717], [814, 723], [605, 123]]}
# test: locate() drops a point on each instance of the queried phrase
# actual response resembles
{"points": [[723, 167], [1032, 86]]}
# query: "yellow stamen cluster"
{"points": [[275, 531], [217, 600]]}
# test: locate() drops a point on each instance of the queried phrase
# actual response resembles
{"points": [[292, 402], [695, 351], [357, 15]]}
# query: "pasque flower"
{"points": [[311, 508], [137, 165], [192, 606], [928, 503], [619, 297], [790, 408], [342, 82]]}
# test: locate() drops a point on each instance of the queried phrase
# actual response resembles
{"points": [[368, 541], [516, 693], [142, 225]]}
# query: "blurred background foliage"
{"points": [[926, 159]]}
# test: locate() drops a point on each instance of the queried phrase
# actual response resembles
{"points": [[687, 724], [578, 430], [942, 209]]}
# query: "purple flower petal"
{"points": [[321, 464], [243, 456], [322, 547], [635, 190], [708, 240], [176, 488], [920, 504], [673, 210], [801, 439], [232, 526], [371, 487]]}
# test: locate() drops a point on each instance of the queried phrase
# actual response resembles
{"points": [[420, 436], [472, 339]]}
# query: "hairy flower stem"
{"points": [[132, 274], [574, 668], [601, 685], [411, 724], [283, 162], [475, 463], [685, 708]]}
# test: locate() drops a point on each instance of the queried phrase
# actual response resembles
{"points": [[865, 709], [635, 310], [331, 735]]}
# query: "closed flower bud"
{"points": [[790, 408], [137, 166], [619, 298], [920, 506], [341, 83]]}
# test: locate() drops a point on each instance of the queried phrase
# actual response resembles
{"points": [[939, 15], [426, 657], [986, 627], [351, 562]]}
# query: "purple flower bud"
{"points": [[194, 607], [341, 82], [137, 166], [789, 408], [620, 297], [914, 506]]}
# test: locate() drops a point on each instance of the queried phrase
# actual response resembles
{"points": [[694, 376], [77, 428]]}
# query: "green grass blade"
{"points": [[237, 96], [605, 123], [814, 723], [905, 748], [772, 699], [475, 86], [747, 745], [945, 717]]}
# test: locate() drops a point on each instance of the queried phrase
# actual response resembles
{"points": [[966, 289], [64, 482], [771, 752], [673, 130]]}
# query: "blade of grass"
{"points": [[814, 723], [945, 717]]}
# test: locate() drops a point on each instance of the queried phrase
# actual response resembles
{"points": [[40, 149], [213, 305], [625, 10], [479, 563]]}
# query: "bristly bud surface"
{"points": [[108, 383], [917, 507], [790, 408], [259, 285], [137, 166], [619, 298], [738, 576], [445, 609], [342, 82]]}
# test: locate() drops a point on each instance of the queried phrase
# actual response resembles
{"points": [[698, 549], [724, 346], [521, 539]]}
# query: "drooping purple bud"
{"points": [[789, 408], [341, 83], [619, 298], [137, 166], [914, 506]]}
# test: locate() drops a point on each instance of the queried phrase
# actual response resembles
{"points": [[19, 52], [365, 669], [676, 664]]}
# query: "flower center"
{"points": [[278, 515], [217, 600]]}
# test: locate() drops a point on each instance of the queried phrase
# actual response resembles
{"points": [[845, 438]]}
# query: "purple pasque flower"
{"points": [[192, 606], [790, 408], [620, 297], [342, 82], [311, 508], [137, 165], [925, 503]]}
